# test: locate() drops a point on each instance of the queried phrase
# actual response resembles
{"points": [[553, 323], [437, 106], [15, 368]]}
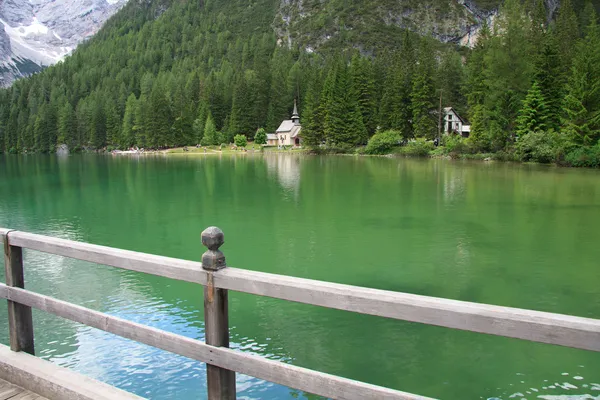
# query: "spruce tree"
{"points": [[423, 94], [211, 136], [363, 81], [66, 126], [533, 115], [567, 33], [312, 127], [582, 101], [550, 78], [127, 136]]}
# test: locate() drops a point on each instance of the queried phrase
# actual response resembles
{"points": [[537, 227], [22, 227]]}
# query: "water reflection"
{"points": [[496, 234], [287, 170]]}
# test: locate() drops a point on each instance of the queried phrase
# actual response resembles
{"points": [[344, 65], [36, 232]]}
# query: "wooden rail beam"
{"points": [[319, 383], [536, 326]]}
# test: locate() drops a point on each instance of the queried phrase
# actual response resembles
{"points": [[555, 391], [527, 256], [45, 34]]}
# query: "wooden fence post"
{"points": [[20, 321], [220, 381]]}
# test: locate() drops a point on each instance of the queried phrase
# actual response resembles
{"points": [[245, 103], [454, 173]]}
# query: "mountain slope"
{"points": [[38, 33], [162, 72]]}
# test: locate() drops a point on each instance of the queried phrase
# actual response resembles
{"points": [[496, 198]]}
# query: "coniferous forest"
{"points": [[164, 74]]}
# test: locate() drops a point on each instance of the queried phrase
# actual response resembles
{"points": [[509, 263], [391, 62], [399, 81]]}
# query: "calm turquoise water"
{"points": [[511, 235]]}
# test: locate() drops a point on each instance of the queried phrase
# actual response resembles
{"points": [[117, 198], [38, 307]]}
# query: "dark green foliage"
{"points": [[127, 137], [588, 157], [240, 140], [67, 130], [533, 116], [542, 147], [582, 101], [260, 137], [164, 73], [419, 147], [455, 144], [383, 142], [549, 76], [211, 136], [423, 94]]}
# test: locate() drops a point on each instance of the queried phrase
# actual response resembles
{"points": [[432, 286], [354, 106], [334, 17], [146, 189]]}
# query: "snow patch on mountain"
{"points": [[38, 33]]}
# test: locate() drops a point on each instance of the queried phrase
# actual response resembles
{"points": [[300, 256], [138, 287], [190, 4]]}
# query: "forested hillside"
{"points": [[166, 73]]}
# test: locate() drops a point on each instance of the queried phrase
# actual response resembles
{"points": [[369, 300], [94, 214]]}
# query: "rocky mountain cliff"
{"points": [[38, 33], [321, 24]]}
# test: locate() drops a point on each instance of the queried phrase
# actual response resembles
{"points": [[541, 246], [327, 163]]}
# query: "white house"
{"points": [[272, 139], [288, 133], [453, 123]]}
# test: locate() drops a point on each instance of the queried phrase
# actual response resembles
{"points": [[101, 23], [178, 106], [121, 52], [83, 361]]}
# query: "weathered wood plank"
{"points": [[54, 382], [274, 371], [173, 268], [537, 326], [8, 391], [20, 320]]}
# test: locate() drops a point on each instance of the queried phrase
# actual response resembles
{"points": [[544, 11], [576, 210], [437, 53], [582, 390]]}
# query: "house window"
{"points": [[449, 117]]}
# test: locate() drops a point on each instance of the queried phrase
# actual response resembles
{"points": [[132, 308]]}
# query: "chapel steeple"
{"points": [[295, 116]]}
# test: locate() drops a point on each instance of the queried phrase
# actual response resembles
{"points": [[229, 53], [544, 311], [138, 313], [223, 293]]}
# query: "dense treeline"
{"points": [[161, 75]]}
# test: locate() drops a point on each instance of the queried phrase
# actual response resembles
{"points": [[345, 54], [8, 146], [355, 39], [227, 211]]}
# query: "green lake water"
{"points": [[512, 235]]}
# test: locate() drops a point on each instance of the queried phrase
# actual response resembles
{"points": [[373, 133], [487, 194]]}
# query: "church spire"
{"points": [[295, 116]]}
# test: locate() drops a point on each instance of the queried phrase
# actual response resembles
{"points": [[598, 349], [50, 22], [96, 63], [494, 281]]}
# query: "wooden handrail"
{"points": [[537, 326], [319, 383]]}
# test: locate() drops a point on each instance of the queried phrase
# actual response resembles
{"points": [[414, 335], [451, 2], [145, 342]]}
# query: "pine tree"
{"points": [[480, 135], [127, 137], [97, 138], [113, 123], [141, 121], [582, 102], [395, 111], [312, 127], [423, 93], [160, 119], [211, 136], [66, 126], [508, 70], [200, 121], [533, 115], [363, 81], [567, 33], [550, 78]]}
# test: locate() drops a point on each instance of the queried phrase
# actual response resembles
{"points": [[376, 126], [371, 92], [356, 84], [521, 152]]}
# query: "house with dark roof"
{"points": [[289, 132], [454, 123]]}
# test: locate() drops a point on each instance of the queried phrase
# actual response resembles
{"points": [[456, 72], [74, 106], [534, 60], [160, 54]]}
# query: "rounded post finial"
{"points": [[213, 259]]}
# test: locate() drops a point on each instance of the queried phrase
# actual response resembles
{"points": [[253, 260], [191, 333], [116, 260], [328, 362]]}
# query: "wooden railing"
{"points": [[217, 279]]}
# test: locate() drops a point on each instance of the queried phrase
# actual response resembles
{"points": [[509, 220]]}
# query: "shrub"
{"points": [[418, 148], [542, 147], [240, 140], [383, 142], [584, 157], [260, 137], [455, 144]]}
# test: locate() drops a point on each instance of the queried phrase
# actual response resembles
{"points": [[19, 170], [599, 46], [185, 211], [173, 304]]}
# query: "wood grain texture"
{"points": [[220, 382], [8, 391], [20, 320], [274, 371], [54, 382], [537, 326]]}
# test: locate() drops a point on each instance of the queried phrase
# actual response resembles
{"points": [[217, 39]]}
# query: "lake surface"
{"points": [[511, 235]]}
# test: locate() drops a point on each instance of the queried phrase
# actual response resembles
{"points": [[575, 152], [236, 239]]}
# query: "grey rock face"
{"points": [[38, 33]]}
